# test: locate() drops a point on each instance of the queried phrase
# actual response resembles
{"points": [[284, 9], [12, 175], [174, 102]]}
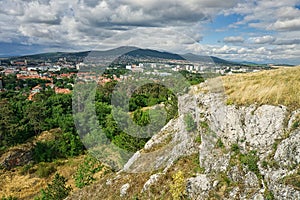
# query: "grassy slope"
{"points": [[275, 87], [27, 185]]}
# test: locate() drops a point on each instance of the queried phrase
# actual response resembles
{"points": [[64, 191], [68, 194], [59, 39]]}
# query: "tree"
{"points": [[85, 172], [57, 190]]}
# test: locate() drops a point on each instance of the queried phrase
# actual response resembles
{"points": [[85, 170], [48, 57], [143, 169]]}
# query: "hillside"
{"points": [[245, 151], [276, 87], [234, 137], [126, 53], [208, 59]]}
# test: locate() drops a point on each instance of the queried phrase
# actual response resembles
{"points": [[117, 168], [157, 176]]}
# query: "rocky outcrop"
{"points": [[245, 151], [17, 156], [261, 130], [171, 143], [199, 187]]}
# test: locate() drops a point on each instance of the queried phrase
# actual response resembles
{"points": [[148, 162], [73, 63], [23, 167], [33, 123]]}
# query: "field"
{"points": [[276, 87]]}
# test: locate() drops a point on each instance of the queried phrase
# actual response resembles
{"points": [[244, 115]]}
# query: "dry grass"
{"points": [[26, 186], [160, 190], [275, 87]]}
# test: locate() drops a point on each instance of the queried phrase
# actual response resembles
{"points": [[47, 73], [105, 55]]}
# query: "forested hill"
{"points": [[127, 52]]}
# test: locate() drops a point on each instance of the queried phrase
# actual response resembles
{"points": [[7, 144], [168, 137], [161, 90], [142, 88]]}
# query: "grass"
{"points": [[296, 122], [189, 166], [274, 87], [26, 182], [293, 180]]}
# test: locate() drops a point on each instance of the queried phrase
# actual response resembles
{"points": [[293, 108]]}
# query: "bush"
{"points": [[177, 187], [235, 148], [220, 144], [189, 122], [85, 172], [57, 190], [250, 160], [27, 169], [268, 195], [44, 170], [44, 152]]}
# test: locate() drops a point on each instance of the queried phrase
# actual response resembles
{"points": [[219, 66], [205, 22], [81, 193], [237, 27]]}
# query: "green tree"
{"points": [[85, 173], [57, 190]]}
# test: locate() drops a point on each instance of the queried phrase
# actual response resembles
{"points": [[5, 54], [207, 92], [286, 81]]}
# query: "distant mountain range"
{"points": [[124, 54]]}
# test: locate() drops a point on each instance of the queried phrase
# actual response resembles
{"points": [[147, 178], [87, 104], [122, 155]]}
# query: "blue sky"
{"points": [[265, 31]]}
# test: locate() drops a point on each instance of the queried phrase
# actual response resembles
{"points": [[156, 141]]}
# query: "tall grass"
{"points": [[275, 87]]}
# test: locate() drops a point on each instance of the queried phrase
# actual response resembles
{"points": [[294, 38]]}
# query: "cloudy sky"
{"points": [[242, 30]]}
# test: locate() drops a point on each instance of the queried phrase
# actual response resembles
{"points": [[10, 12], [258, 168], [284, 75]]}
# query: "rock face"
{"points": [[246, 151], [18, 156], [258, 129], [171, 143], [198, 187]]}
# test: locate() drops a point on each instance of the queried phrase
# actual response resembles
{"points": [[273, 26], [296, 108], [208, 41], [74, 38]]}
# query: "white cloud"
{"points": [[161, 24], [287, 25], [266, 39], [234, 39]]}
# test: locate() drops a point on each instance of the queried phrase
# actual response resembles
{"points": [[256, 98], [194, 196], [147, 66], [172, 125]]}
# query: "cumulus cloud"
{"points": [[87, 23], [287, 42], [288, 25], [234, 39], [266, 39], [161, 24]]}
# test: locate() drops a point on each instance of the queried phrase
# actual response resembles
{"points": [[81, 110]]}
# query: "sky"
{"points": [[261, 31]]}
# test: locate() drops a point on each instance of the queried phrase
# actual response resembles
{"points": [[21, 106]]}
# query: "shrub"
{"points": [[189, 122], [296, 124], [220, 144], [44, 152], [250, 160], [198, 139], [57, 190], [235, 148], [177, 187], [268, 195], [27, 169], [85, 172], [45, 170]]}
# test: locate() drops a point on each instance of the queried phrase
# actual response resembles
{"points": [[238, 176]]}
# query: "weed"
{"points": [[250, 160], [268, 195], [45, 170], [198, 139], [204, 125], [177, 187], [27, 169], [220, 144], [189, 122], [235, 148]]}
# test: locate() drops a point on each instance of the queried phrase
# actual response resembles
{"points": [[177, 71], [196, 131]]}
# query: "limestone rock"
{"points": [[198, 187], [152, 180], [288, 151], [17, 156], [123, 190]]}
